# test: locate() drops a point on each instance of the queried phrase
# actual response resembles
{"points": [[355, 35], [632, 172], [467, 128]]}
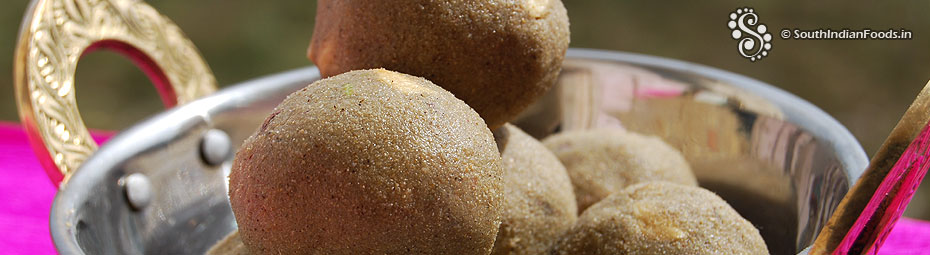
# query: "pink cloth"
{"points": [[909, 236], [26, 196]]}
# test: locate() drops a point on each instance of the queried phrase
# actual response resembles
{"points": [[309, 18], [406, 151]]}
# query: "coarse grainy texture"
{"points": [[230, 245], [601, 162], [368, 162], [498, 56], [538, 202], [661, 218]]}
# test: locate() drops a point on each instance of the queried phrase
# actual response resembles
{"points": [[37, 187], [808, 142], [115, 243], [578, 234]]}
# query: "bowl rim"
{"points": [[806, 115], [75, 191]]}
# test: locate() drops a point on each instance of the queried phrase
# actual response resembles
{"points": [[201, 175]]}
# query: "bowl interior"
{"points": [[779, 161]]}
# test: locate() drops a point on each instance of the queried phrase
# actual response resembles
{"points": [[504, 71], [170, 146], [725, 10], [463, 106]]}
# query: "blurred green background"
{"points": [[865, 84]]}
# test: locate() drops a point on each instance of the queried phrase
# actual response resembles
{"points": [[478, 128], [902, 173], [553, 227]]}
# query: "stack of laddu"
{"points": [[404, 148]]}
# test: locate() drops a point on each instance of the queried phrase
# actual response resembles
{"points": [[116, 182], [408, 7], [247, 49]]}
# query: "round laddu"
{"points": [[661, 218], [497, 56], [538, 202], [368, 162], [601, 162]]}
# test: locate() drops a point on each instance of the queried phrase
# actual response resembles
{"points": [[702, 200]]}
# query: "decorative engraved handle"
{"points": [[53, 37]]}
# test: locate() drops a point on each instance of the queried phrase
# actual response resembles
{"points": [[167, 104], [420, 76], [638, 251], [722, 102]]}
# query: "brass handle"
{"points": [[53, 37]]}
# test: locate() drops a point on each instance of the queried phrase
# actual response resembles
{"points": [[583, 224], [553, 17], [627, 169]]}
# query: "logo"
{"points": [[755, 41]]}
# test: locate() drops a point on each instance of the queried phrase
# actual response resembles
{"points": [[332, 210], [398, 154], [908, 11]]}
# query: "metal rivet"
{"points": [[138, 190], [215, 147]]}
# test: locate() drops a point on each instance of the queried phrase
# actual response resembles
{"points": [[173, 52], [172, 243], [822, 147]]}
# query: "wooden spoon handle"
{"points": [[868, 212]]}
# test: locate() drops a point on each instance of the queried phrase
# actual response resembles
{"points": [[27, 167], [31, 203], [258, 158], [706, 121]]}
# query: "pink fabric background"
{"points": [[26, 196]]}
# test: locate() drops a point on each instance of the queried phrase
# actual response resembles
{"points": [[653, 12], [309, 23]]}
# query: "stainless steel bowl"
{"points": [[160, 186]]}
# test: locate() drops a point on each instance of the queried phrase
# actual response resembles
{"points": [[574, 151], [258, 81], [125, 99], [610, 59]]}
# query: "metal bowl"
{"points": [[160, 186]]}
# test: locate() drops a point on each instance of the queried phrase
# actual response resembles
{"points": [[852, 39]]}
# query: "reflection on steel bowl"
{"points": [[782, 163]]}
